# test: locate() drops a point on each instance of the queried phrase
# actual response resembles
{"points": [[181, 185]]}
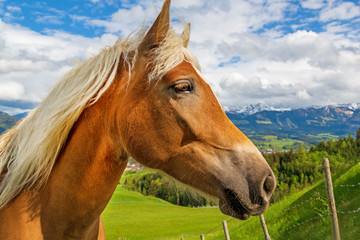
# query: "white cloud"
{"points": [[316, 48], [31, 62], [297, 69], [49, 19], [13, 8], [312, 4], [218, 20], [303, 94], [124, 20], [7, 66], [11, 90], [186, 3], [335, 27], [343, 11]]}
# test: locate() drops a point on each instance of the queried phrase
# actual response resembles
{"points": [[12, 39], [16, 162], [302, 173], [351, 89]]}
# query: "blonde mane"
{"points": [[29, 150]]}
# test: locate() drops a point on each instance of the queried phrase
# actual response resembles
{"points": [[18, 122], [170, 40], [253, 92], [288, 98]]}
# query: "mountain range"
{"points": [[253, 108], [302, 123], [260, 120], [260, 107]]}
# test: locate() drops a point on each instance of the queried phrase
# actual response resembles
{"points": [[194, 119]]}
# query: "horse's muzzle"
{"points": [[242, 207]]}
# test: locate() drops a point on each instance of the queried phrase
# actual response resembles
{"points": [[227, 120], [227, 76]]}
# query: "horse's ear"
{"points": [[185, 35], [158, 30]]}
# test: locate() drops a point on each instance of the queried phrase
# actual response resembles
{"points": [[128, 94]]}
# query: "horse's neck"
{"points": [[85, 174]]}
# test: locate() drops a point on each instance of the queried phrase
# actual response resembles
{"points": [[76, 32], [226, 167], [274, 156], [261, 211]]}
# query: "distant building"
{"points": [[134, 166], [267, 151]]}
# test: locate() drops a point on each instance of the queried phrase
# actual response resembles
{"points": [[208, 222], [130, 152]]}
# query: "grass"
{"points": [[130, 215], [323, 137], [272, 142], [302, 215], [289, 142]]}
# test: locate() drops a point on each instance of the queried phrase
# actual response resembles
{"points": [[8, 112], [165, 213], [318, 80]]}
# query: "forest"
{"points": [[294, 170]]}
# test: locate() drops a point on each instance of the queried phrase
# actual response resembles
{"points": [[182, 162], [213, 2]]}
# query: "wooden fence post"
{"points": [[263, 224], [226, 231], [202, 237], [331, 199]]}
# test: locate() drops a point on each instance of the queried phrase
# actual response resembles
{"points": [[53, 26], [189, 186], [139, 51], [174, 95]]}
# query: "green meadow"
{"points": [[130, 215], [286, 142], [302, 215], [273, 142]]}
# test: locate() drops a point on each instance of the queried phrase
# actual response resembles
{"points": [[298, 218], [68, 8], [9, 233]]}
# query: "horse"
{"points": [[144, 97]]}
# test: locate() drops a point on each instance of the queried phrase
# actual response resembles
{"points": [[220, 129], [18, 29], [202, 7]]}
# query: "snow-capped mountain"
{"points": [[253, 108], [259, 107], [339, 120]]}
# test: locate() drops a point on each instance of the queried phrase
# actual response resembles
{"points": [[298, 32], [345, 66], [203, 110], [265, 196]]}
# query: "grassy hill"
{"points": [[130, 215], [6, 121], [302, 215], [279, 141]]}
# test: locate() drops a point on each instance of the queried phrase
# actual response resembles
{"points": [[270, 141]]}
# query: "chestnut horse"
{"points": [[144, 97]]}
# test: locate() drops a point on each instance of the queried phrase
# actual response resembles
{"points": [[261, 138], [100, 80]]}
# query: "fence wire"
{"points": [[314, 197], [303, 203]]}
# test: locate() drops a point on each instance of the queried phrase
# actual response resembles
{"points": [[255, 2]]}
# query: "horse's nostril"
{"points": [[269, 185]]}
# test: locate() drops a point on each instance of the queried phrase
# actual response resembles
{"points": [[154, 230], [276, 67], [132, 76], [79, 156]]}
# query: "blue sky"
{"points": [[68, 15], [278, 52]]}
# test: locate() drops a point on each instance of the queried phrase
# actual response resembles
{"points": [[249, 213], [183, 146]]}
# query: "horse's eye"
{"points": [[183, 87]]}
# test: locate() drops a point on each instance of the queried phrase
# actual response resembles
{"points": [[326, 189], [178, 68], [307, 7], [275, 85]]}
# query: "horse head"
{"points": [[169, 119]]}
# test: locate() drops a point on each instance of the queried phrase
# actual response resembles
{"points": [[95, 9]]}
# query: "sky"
{"points": [[281, 53]]}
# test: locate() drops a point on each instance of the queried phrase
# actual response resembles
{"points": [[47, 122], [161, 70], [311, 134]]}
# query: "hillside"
{"points": [[305, 214], [298, 216], [130, 215], [6, 121]]}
